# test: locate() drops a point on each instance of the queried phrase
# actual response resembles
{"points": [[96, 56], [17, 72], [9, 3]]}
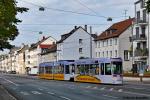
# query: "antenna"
{"points": [[125, 13]]}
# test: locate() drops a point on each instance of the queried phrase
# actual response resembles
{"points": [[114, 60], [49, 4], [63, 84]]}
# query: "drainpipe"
{"points": [[91, 42]]}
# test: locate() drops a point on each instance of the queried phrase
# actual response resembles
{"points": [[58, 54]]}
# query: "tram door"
{"points": [[106, 73], [69, 72]]}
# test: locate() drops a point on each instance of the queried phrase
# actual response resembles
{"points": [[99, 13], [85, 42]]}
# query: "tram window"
{"points": [[67, 69], [102, 69], [107, 69], [77, 69], [59, 69], [86, 69], [117, 67], [41, 70], [94, 69], [48, 70]]}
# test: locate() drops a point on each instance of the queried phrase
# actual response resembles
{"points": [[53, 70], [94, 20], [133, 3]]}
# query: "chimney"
{"points": [[75, 27], [90, 29], [43, 37], [85, 28]]}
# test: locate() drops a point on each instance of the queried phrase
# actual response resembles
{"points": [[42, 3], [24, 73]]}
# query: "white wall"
{"points": [[69, 49]]}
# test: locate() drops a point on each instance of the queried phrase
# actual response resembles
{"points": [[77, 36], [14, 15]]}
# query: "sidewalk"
{"points": [[4, 95]]}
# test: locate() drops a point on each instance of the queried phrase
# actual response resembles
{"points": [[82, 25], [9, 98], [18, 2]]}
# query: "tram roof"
{"points": [[97, 60]]}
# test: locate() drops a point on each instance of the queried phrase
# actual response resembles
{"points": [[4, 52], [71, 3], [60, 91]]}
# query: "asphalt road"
{"points": [[24, 88]]}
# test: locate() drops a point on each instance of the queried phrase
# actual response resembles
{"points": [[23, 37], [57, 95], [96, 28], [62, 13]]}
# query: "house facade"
{"points": [[77, 44], [50, 54], [115, 43], [140, 38]]}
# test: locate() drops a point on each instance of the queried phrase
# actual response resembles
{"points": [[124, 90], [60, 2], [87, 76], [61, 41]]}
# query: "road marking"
{"points": [[102, 88], [111, 89], [24, 93], [51, 93], [88, 87], [35, 92], [120, 90], [11, 82], [64, 98], [94, 87], [110, 96], [40, 89]]}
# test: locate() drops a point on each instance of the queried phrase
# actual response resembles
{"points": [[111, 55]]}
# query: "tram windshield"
{"points": [[117, 67]]}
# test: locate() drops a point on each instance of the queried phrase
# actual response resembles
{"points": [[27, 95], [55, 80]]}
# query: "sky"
{"points": [[55, 23]]}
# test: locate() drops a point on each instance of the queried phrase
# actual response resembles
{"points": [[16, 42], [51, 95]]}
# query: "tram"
{"points": [[60, 70], [99, 70]]}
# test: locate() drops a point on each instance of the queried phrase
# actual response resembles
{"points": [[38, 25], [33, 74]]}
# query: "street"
{"points": [[24, 88]]}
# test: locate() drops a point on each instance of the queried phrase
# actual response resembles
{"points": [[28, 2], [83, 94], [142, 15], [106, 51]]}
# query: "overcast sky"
{"points": [[35, 21]]}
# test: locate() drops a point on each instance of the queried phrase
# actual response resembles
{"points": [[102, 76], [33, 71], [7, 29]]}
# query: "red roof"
{"points": [[116, 29], [45, 46]]}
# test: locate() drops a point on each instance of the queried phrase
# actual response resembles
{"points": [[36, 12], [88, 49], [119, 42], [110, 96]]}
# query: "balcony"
{"points": [[141, 53], [140, 38], [142, 21]]}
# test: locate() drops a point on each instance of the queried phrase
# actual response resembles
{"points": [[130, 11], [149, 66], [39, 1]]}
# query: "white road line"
{"points": [[88, 87], [102, 88], [11, 82], [110, 96], [120, 90], [35, 92], [94, 87], [51, 93], [111, 89], [24, 93], [64, 98], [40, 89]]}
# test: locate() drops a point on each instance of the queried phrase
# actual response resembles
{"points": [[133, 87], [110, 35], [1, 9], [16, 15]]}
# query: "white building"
{"points": [[114, 42], [141, 40], [33, 55], [50, 54], [76, 44]]}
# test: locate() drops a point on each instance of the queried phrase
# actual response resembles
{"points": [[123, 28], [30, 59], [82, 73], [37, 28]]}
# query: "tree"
{"points": [[8, 22], [148, 6]]}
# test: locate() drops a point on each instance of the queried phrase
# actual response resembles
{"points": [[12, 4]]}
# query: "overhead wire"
{"points": [[61, 10]]}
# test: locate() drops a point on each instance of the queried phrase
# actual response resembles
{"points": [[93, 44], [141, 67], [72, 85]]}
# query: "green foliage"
{"points": [[148, 6], [8, 22]]}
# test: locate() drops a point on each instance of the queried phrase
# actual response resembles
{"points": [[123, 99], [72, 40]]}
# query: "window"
{"points": [[107, 69], [142, 3], [99, 44], [96, 54], [107, 43], [126, 55], [67, 69], [80, 41], [103, 54], [80, 50], [102, 68], [116, 41], [138, 16], [144, 15], [103, 43], [107, 53], [99, 54], [28, 62], [117, 68], [110, 42], [110, 53], [116, 53], [137, 32], [94, 69]]}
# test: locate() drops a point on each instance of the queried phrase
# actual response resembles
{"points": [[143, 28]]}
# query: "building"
{"points": [[114, 42], [77, 44], [140, 38], [50, 54], [21, 68], [33, 54]]}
